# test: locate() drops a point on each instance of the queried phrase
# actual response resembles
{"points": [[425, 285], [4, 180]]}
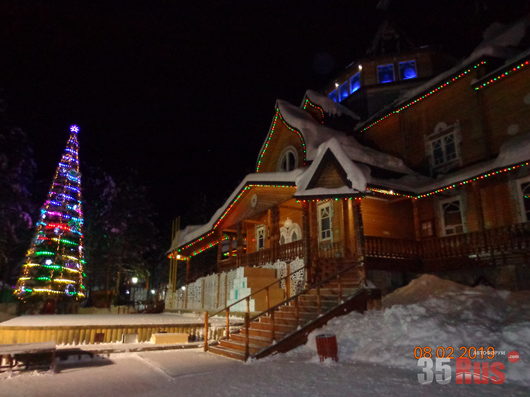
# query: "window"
{"points": [[426, 229], [452, 216], [355, 82], [442, 145], [288, 159], [333, 96], [443, 150], [407, 70], [385, 73], [343, 91], [524, 191], [260, 237], [324, 221]]}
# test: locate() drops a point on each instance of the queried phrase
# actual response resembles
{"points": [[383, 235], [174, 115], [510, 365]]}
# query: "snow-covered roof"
{"points": [[315, 134], [515, 150], [355, 174], [500, 41], [328, 106], [190, 233]]}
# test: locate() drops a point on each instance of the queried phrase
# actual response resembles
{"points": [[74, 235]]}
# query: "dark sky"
{"points": [[185, 93]]}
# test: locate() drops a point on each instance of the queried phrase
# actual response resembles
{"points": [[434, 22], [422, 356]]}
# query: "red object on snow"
{"points": [[327, 347]]}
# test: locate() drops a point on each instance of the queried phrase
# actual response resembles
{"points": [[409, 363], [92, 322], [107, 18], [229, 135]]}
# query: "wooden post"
{"points": [[296, 310], [346, 227], [239, 243], [275, 232], [227, 323], [268, 298], [247, 326], [288, 281], [206, 331], [219, 248], [187, 282], [318, 300], [306, 238], [359, 231], [416, 218]]}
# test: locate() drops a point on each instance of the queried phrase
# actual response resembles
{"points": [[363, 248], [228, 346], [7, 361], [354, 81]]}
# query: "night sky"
{"points": [[184, 94]]}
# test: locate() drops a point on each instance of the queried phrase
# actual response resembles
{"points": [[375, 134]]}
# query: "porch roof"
{"points": [[205, 233]]}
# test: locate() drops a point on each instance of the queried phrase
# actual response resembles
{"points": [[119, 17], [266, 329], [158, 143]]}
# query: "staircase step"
{"points": [[223, 351], [268, 326], [255, 340], [267, 333], [279, 320], [240, 346]]}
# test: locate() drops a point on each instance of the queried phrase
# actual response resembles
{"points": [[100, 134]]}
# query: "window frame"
{"points": [[401, 77], [520, 198], [260, 228], [351, 79], [442, 215], [393, 73], [288, 150], [320, 207], [442, 131]]}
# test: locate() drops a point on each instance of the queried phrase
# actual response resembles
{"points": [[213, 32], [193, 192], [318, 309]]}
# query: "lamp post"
{"points": [[134, 281]]}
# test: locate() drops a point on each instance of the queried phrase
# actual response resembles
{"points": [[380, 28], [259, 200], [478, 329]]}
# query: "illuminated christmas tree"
{"points": [[54, 263]]}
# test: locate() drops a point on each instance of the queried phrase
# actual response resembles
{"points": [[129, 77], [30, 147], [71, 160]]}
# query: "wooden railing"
{"points": [[272, 309], [509, 238], [284, 252], [328, 249]]}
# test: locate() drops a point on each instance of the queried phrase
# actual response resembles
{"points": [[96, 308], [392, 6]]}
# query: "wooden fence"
{"points": [[89, 334]]}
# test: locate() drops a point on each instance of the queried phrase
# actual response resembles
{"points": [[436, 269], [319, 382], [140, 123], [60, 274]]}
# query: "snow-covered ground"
{"points": [[192, 373], [434, 312], [375, 355]]}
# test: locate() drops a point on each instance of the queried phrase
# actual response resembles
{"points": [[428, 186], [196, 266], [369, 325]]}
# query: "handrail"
{"points": [[305, 290], [249, 319], [258, 291]]}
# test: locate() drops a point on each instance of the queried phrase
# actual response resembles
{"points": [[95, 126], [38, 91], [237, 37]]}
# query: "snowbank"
{"points": [[434, 312]]}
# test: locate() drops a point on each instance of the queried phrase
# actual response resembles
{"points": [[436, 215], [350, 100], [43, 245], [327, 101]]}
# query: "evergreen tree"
{"points": [[122, 238], [17, 169], [54, 262]]}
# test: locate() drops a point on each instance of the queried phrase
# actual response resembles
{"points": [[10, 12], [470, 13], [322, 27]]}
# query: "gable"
{"points": [[280, 137], [329, 174]]}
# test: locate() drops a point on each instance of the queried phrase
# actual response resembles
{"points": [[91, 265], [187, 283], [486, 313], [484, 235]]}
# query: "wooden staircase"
{"points": [[287, 324]]}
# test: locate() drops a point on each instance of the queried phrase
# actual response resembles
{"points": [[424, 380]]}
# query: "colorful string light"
{"points": [[425, 95], [57, 243], [450, 186], [278, 116], [309, 103], [502, 75], [226, 211]]}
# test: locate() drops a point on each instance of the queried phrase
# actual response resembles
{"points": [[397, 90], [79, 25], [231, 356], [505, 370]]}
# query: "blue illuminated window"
{"points": [[385, 73], [407, 70], [333, 96], [343, 92], [355, 82]]}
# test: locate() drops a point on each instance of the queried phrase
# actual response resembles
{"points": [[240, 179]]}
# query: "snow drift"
{"points": [[435, 312]]}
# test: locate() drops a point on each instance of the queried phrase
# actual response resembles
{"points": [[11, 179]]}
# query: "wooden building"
{"points": [[438, 178]]}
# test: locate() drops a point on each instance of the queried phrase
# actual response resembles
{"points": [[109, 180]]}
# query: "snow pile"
{"points": [[450, 315]]}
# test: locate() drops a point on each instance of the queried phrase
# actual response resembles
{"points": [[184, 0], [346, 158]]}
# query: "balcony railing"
{"points": [[504, 239], [488, 242]]}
